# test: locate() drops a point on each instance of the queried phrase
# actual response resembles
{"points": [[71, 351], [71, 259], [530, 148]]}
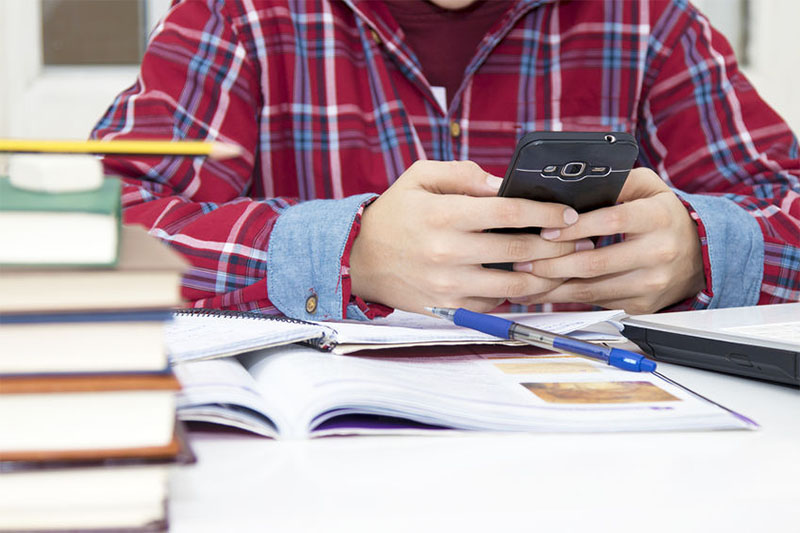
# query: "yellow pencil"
{"points": [[212, 149]]}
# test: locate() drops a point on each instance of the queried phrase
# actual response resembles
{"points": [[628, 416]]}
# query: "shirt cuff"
{"points": [[733, 250], [304, 260]]}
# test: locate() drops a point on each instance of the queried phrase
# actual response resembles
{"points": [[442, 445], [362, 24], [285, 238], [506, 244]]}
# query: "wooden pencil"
{"points": [[210, 149]]}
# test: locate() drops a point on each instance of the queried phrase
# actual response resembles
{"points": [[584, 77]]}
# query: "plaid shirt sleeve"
{"points": [[706, 132], [197, 82]]}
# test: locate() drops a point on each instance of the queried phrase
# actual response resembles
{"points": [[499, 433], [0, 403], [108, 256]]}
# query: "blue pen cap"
{"points": [[493, 325], [630, 361]]}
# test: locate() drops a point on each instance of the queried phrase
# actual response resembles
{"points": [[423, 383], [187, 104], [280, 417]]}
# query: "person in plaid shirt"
{"points": [[373, 133]]}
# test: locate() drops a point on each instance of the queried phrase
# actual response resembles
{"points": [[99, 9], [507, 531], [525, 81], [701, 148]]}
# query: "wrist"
{"points": [[358, 260]]}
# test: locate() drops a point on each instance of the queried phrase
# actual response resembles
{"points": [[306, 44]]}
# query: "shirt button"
{"points": [[455, 129], [311, 304], [375, 36]]}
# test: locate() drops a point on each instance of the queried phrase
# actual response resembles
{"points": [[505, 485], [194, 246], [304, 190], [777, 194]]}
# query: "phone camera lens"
{"points": [[610, 139]]}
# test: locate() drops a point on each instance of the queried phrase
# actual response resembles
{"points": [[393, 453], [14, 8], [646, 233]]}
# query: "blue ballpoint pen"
{"points": [[506, 329]]}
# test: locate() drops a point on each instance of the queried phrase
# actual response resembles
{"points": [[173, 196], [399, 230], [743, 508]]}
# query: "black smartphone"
{"points": [[584, 170]]}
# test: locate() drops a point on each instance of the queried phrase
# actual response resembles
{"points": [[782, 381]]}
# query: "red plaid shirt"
{"points": [[328, 101]]}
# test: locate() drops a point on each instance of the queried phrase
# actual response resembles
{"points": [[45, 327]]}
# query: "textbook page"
{"points": [[310, 392], [221, 391]]}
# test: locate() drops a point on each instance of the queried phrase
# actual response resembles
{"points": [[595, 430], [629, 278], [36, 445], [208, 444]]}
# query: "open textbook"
{"points": [[197, 334], [297, 392]]}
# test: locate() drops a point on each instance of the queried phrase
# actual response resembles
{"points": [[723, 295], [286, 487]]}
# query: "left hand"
{"points": [[658, 264]]}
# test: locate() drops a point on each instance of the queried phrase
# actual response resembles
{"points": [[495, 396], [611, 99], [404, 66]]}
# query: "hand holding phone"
{"points": [[584, 170]]}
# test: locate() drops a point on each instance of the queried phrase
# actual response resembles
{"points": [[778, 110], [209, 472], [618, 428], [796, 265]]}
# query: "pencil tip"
{"points": [[220, 150]]}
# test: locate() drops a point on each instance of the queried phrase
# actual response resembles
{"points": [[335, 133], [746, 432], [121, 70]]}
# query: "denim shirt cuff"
{"points": [[304, 260], [735, 250]]}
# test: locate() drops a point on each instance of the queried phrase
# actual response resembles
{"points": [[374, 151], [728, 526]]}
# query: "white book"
{"points": [[59, 413], [62, 228], [147, 276], [82, 347], [299, 392], [118, 498]]}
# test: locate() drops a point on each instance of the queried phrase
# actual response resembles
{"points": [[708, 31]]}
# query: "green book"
{"points": [[60, 229]]}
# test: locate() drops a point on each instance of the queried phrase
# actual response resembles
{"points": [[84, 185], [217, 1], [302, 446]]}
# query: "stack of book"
{"points": [[87, 396]]}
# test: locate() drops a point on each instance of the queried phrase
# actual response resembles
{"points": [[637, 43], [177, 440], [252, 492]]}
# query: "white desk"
{"points": [[701, 481]]}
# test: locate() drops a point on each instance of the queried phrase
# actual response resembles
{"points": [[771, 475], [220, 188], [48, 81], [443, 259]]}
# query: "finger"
{"points": [[604, 261], [527, 266], [642, 182], [490, 283], [478, 214], [638, 216], [633, 306], [453, 177], [514, 248], [603, 291], [481, 305]]}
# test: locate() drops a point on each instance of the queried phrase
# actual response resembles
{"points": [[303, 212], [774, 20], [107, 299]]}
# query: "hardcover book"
{"points": [[147, 277], [103, 490], [59, 229], [72, 343], [63, 413]]}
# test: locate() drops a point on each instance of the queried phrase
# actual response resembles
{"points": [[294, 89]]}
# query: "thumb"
{"points": [[641, 183], [455, 177]]}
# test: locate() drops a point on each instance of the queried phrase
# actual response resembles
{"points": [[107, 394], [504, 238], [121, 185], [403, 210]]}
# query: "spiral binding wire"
{"points": [[229, 313], [323, 342]]}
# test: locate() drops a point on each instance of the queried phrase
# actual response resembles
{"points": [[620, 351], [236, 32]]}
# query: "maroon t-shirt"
{"points": [[445, 40]]}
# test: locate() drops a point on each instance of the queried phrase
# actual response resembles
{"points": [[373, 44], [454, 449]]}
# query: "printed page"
{"points": [[411, 328], [283, 379], [221, 391], [486, 391]]}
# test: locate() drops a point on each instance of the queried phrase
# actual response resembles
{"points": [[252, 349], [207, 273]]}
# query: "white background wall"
{"points": [[65, 102]]}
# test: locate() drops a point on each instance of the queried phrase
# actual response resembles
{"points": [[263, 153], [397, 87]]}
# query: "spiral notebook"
{"points": [[197, 334]]}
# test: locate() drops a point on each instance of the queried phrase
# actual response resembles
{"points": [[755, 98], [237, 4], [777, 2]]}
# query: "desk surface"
{"points": [[688, 481]]}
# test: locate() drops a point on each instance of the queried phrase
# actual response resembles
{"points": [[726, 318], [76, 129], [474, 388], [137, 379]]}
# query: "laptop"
{"points": [[760, 342]]}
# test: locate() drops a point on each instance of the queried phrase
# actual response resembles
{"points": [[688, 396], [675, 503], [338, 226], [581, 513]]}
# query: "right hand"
{"points": [[421, 243]]}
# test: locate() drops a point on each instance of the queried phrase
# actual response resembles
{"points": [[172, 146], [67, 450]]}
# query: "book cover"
{"points": [[87, 383], [60, 229], [104, 201]]}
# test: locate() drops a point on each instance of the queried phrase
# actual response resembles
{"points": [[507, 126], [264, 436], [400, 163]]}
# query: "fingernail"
{"points": [[583, 245], [493, 182], [550, 233], [523, 267], [570, 215]]}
